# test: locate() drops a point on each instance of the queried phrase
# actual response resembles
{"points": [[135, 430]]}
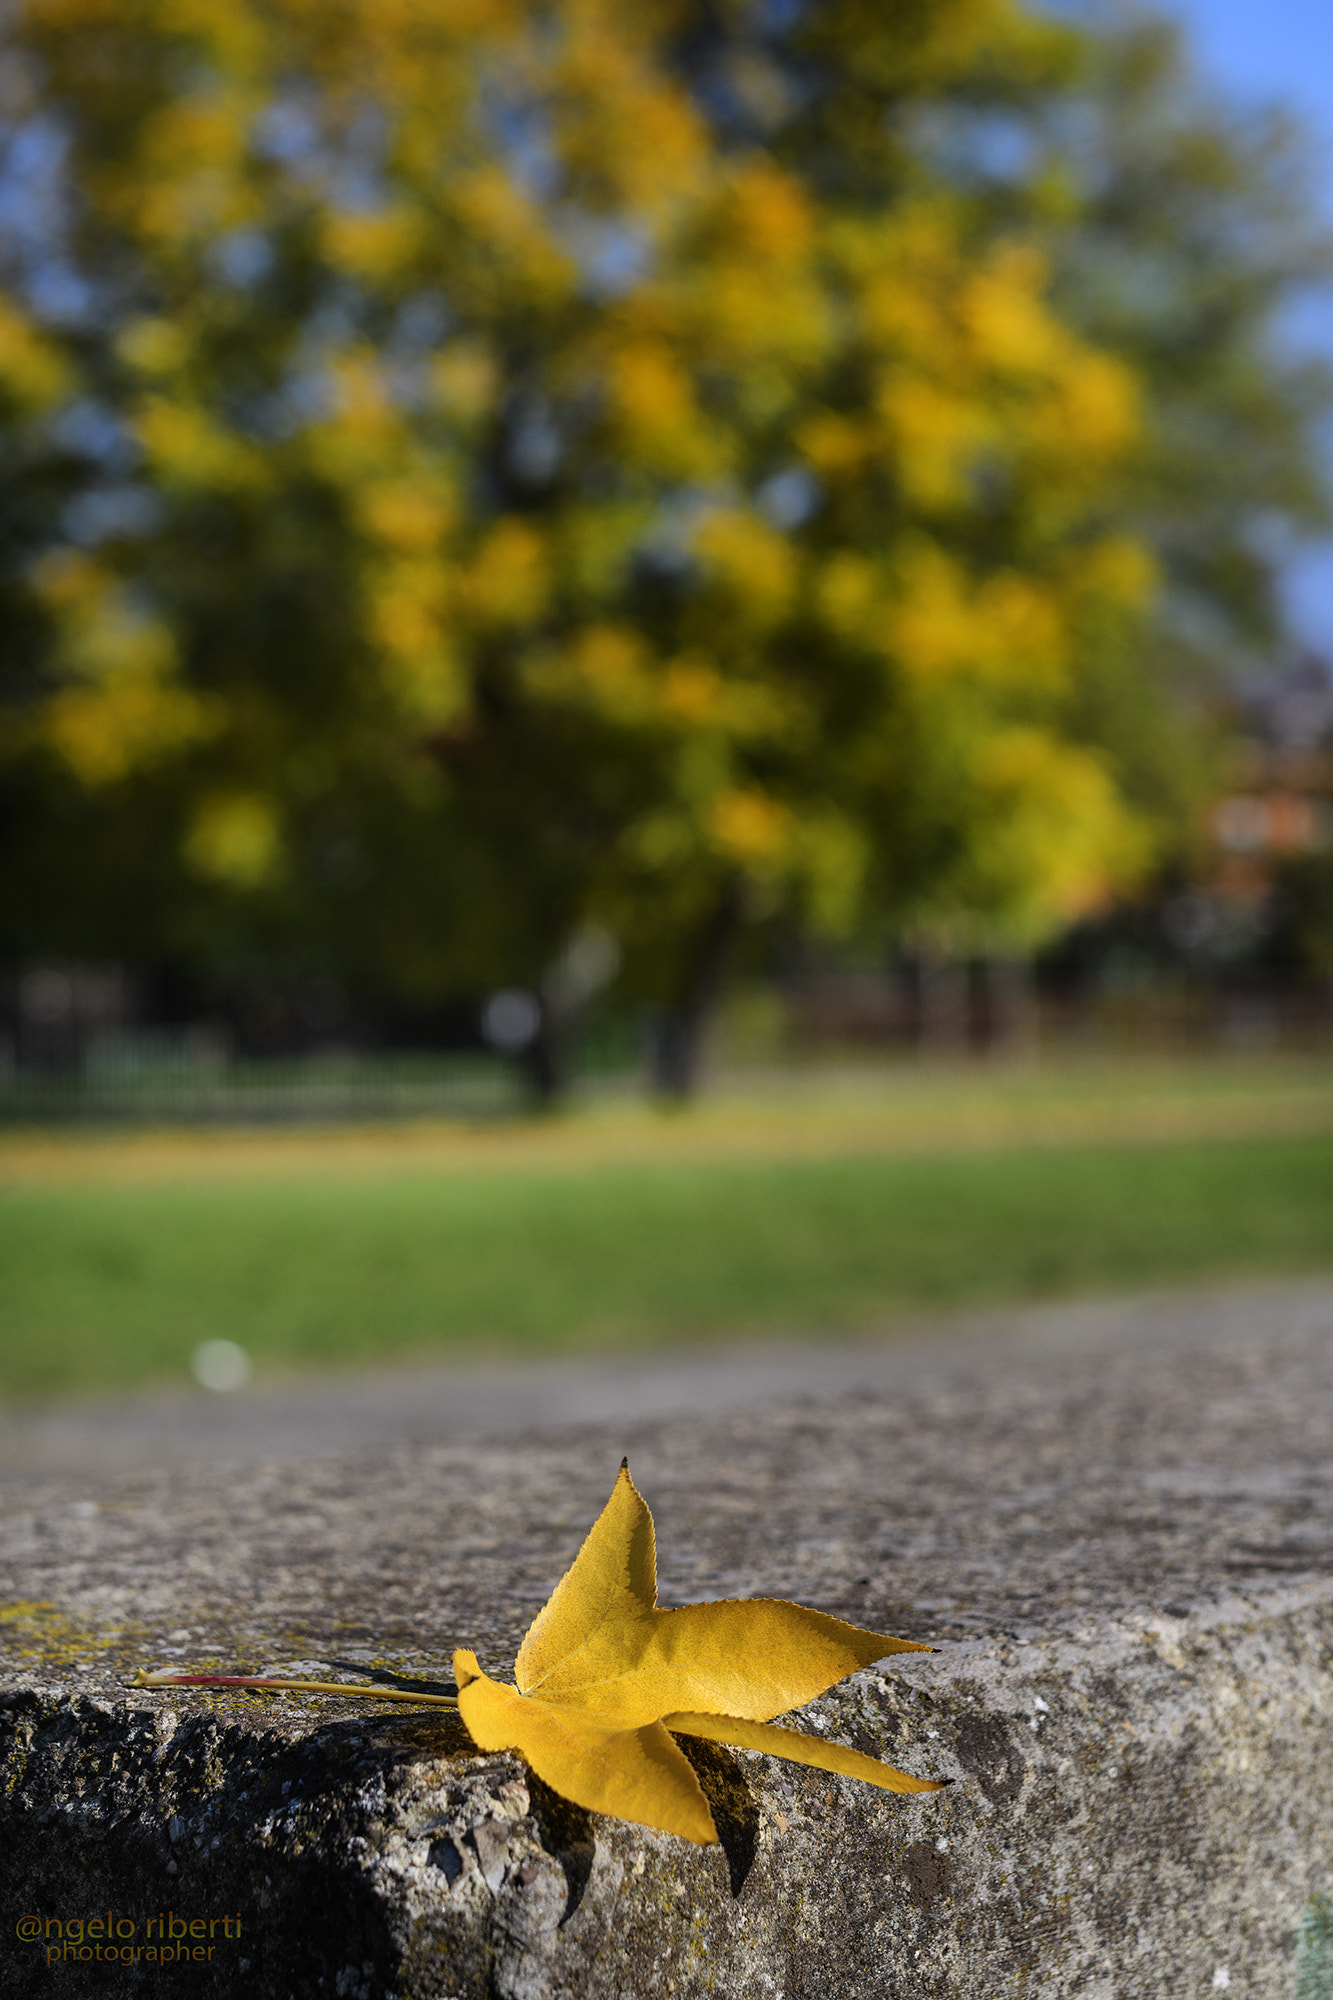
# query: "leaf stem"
{"points": [[164, 1679]]}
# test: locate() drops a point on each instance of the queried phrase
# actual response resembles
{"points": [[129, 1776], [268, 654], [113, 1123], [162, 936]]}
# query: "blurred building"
{"points": [[1280, 804]]}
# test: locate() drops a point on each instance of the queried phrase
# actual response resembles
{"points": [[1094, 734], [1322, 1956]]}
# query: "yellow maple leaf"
{"points": [[606, 1680]]}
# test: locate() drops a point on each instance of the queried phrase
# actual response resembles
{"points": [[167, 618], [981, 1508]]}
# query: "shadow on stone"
{"points": [[565, 1831], [730, 1801], [442, 1854], [434, 1733], [384, 1678]]}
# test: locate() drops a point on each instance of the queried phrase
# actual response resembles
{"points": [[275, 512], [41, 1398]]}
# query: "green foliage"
{"points": [[1195, 225]]}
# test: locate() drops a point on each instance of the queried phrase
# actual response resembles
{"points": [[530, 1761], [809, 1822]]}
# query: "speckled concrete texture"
{"points": [[1119, 1532]]}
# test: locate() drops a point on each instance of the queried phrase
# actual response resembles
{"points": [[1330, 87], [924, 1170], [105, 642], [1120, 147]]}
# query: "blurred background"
{"points": [[667, 673]]}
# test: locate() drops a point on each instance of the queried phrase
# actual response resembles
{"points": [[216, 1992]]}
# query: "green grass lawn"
{"points": [[110, 1283]]}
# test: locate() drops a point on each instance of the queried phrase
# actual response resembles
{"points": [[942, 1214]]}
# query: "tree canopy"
{"points": [[474, 471]]}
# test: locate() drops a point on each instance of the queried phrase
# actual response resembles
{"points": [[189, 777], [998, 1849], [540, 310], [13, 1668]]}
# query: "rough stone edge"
{"points": [[1144, 1797]]}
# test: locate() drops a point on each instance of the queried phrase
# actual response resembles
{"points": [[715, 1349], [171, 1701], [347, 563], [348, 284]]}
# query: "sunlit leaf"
{"points": [[606, 1680], [602, 1643], [636, 1773], [603, 1676], [798, 1748]]}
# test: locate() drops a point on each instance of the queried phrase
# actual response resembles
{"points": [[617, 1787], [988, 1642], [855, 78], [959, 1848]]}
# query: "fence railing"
{"points": [[162, 1087]]}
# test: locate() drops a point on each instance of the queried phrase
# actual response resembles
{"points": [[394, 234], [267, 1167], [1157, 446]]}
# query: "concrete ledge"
{"points": [[1136, 1817], [1127, 1560]]}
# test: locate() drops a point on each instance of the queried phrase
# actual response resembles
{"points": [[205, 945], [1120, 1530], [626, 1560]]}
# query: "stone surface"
{"points": [[1118, 1528]]}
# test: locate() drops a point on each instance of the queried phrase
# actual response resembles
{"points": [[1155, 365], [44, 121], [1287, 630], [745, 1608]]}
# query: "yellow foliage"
{"points": [[372, 245], [1089, 416], [360, 439], [1056, 839], [963, 443], [187, 182], [849, 595], [934, 629], [751, 320], [33, 374], [363, 413], [121, 707], [106, 733], [465, 379], [187, 447], [1006, 628], [1115, 570], [692, 693], [408, 594], [610, 670], [1009, 325], [153, 346], [751, 565], [837, 447], [651, 409], [974, 370], [626, 134], [752, 300], [768, 214], [427, 681], [605, 668], [407, 514], [402, 50], [102, 632], [233, 39], [507, 580], [934, 435], [509, 228], [750, 828], [403, 616], [940, 43], [234, 839], [900, 307]]}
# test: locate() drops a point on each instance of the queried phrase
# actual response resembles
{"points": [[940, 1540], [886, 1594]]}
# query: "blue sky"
{"points": [[1280, 51]]}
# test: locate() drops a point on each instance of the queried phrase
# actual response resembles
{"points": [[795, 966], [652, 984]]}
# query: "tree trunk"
{"points": [[546, 1060], [680, 1030]]}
